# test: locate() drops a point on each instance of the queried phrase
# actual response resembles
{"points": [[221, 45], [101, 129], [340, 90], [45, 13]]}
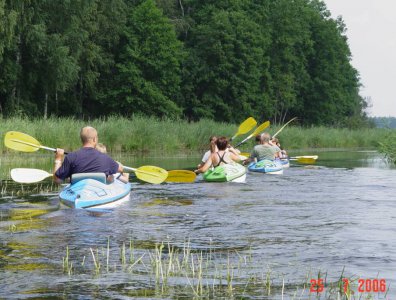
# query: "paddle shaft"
{"points": [[34, 145], [283, 127], [304, 159], [243, 141]]}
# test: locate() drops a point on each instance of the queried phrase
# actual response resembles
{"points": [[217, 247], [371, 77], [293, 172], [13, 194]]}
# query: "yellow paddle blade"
{"points": [[181, 176], [151, 174], [306, 159], [245, 154], [245, 127], [261, 128], [255, 132], [21, 142]]}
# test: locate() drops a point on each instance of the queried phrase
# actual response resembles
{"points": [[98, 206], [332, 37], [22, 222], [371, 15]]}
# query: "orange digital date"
{"points": [[364, 285]]}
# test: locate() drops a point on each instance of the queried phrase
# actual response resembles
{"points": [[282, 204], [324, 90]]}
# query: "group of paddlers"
{"points": [[92, 158], [221, 152]]}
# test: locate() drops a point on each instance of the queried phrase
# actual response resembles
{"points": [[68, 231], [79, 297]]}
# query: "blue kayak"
{"points": [[266, 166], [91, 190], [285, 162]]}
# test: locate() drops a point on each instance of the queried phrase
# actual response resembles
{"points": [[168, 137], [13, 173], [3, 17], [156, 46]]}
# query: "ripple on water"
{"points": [[306, 220]]}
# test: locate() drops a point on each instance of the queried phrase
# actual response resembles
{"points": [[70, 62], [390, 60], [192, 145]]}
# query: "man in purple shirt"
{"points": [[85, 160]]}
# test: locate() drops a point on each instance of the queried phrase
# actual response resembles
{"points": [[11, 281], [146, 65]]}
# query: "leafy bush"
{"points": [[388, 146]]}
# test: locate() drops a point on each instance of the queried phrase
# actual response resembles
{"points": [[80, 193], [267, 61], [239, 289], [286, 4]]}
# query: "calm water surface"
{"points": [[337, 218]]}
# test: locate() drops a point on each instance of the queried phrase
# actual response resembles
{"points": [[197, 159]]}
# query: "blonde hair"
{"points": [[265, 137], [101, 148], [87, 134]]}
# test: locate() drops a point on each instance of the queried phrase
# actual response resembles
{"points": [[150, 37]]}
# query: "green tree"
{"points": [[333, 93], [8, 20], [291, 45], [222, 59], [148, 75], [227, 64]]}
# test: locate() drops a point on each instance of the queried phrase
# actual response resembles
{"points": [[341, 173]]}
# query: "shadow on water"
{"points": [[264, 239]]}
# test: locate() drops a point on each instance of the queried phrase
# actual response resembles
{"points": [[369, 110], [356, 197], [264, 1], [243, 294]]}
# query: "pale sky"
{"points": [[371, 32]]}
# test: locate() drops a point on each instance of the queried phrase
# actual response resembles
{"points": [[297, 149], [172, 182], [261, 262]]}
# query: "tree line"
{"points": [[384, 122], [190, 59]]}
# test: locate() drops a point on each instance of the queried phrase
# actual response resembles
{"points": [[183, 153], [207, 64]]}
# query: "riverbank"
{"points": [[144, 135]]}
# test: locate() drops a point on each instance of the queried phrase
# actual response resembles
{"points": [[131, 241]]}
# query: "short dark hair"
{"points": [[222, 143]]}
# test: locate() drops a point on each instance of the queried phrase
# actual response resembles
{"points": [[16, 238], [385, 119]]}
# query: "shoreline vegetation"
{"points": [[141, 135], [387, 146]]}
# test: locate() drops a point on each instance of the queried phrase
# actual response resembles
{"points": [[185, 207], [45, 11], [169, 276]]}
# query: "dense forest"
{"points": [[189, 59]]}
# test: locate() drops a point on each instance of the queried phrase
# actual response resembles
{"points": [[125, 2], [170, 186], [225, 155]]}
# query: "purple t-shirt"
{"points": [[86, 160]]}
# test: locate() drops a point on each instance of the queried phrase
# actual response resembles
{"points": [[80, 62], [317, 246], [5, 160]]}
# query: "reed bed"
{"points": [[388, 146], [183, 272], [136, 134], [144, 135]]}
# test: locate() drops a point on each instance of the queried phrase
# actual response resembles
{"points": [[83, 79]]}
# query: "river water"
{"points": [[272, 237]]}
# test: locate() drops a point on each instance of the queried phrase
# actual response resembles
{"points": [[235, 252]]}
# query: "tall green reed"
{"points": [[144, 135], [186, 272], [387, 146]]}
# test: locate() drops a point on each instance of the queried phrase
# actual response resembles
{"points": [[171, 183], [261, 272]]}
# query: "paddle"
{"points": [[181, 176], [25, 175], [246, 154], [245, 127], [305, 159], [283, 127], [22, 142], [255, 132], [149, 174]]}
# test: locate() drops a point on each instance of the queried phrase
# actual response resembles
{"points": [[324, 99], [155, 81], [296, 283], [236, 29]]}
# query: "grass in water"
{"points": [[172, 271], [67, 266]]}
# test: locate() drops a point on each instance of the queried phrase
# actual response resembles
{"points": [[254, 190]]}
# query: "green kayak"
{"points": [[225, 173]]}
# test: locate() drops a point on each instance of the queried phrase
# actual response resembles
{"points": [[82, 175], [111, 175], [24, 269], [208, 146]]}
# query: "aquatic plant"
{"points": [[182, 271], [67, 265], [12, 228], [387, 146], [96, 261]]}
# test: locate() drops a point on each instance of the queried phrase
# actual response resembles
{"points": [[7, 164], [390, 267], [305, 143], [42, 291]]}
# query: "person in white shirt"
{"points": [[213, 149], [220, 157]]}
